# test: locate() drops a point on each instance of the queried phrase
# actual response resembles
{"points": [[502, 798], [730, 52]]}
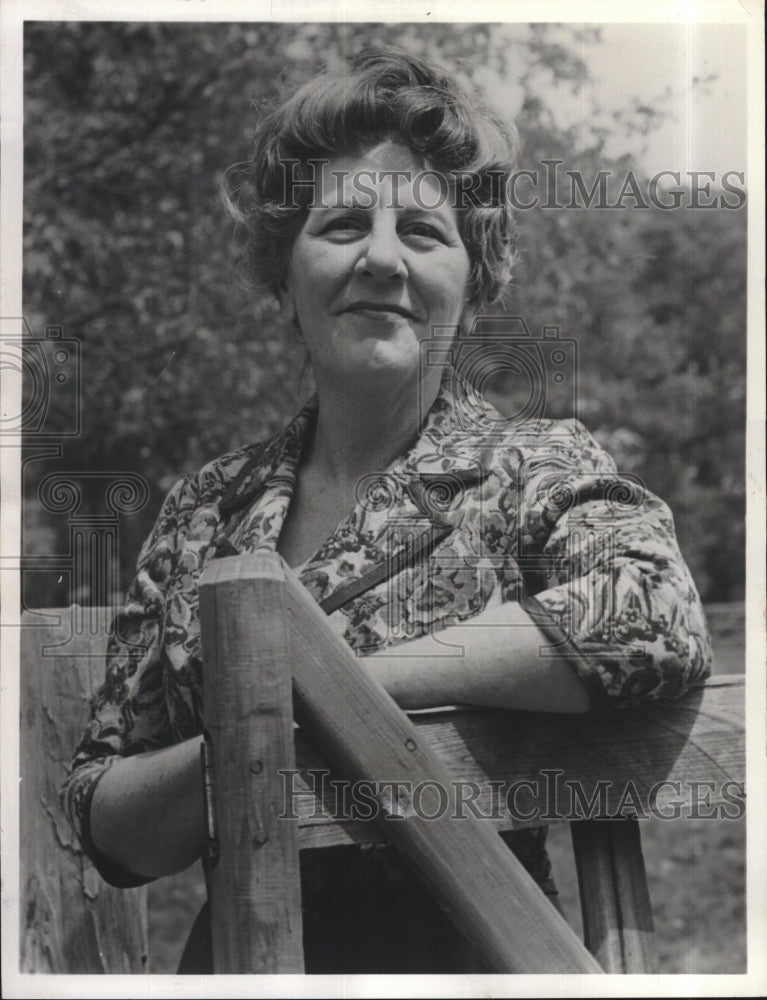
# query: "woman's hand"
{"points": [[499, 659]]}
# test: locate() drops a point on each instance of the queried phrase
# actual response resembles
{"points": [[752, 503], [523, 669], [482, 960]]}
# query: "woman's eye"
{"points": [[344, 224], [423, 230]]}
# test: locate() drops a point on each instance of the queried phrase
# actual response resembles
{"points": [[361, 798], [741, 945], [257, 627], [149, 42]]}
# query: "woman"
{"points": [[376, 216]]}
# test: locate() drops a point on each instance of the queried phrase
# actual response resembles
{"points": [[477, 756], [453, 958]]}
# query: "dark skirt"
{"points": [[365, 911]]}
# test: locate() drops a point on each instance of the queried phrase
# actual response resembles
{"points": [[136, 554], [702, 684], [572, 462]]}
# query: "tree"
{"points": [[127, 133]]}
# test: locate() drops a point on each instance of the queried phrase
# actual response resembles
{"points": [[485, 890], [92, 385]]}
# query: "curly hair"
{"points": [[387, 94]]}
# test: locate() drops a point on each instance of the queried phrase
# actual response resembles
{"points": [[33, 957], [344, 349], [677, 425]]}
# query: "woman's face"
{"points": [[377, 266]]}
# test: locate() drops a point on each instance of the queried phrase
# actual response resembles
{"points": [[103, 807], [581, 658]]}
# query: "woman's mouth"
{"points": [[380, 310]]}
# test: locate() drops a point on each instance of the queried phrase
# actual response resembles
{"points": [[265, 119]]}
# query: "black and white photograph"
{"points": [[382, 446]]}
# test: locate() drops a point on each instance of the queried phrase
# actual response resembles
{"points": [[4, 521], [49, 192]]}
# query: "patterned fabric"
{"points": [[480, 510]]}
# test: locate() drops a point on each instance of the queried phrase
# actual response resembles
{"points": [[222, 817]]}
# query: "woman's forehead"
{"points": [[386, 155], [387, 175]]}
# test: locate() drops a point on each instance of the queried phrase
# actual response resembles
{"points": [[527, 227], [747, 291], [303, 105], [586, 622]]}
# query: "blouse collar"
{"points": [[422, 484]]}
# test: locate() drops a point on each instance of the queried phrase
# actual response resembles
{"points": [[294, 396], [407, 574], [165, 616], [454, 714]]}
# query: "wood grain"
{"points": [[71, 921], [255, 889], [550, 768], [615, 903], [699, 739], [368, 738]]}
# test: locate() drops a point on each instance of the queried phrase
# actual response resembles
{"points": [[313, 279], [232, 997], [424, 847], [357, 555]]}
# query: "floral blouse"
{"points": [[480, 510]]}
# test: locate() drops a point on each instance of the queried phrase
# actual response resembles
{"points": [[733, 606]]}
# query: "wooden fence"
{"points": [[73, 922]]}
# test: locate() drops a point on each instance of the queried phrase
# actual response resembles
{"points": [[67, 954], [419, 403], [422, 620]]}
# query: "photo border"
{"points": [[12, 14]]}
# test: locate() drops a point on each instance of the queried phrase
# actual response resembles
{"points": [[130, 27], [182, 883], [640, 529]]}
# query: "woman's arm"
{"points": [[147, 811], [616, 619], [608, 574], [130, 836], [499, 659]]}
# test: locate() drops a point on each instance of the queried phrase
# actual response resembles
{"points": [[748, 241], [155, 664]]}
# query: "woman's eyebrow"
{"points": [[329, 203], [439, 215], [428, 211]]}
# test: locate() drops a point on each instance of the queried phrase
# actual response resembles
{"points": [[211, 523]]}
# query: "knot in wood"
{"points": [[260, 837]]}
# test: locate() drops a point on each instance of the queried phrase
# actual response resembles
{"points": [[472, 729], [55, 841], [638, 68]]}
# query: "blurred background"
{"points": [[128, 129], [168, 361]]}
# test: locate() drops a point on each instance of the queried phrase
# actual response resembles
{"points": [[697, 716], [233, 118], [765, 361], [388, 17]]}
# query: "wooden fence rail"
{"points": [[72, 922], [366, 738]]}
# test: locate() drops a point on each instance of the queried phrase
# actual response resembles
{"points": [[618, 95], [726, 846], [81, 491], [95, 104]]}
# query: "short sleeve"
{"points": [[610, 587], [129, 713]]}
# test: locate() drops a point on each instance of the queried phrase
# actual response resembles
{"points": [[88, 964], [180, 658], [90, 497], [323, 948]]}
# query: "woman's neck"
{"points": [[362, 432]]}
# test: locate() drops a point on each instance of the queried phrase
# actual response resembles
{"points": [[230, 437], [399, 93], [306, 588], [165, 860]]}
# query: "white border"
{"points": [[750, 14]]}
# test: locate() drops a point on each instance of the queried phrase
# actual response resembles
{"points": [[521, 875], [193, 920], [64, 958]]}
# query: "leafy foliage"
{"points": [[127, 133]]}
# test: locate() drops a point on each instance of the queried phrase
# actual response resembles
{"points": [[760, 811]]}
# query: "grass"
{"points": [[695, 872]]}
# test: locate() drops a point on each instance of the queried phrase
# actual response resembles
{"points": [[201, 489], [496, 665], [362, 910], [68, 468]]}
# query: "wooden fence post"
{"points": [[615, 903], [365, 736], [255, 886], [71, 920]]}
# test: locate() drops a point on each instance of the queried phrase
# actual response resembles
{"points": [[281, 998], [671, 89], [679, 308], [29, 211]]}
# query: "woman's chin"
{"points": [[386, 364], [363, 362], [375, 362]]}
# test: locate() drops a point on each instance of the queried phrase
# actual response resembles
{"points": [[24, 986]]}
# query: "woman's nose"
{"points": [[383, 253]]}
